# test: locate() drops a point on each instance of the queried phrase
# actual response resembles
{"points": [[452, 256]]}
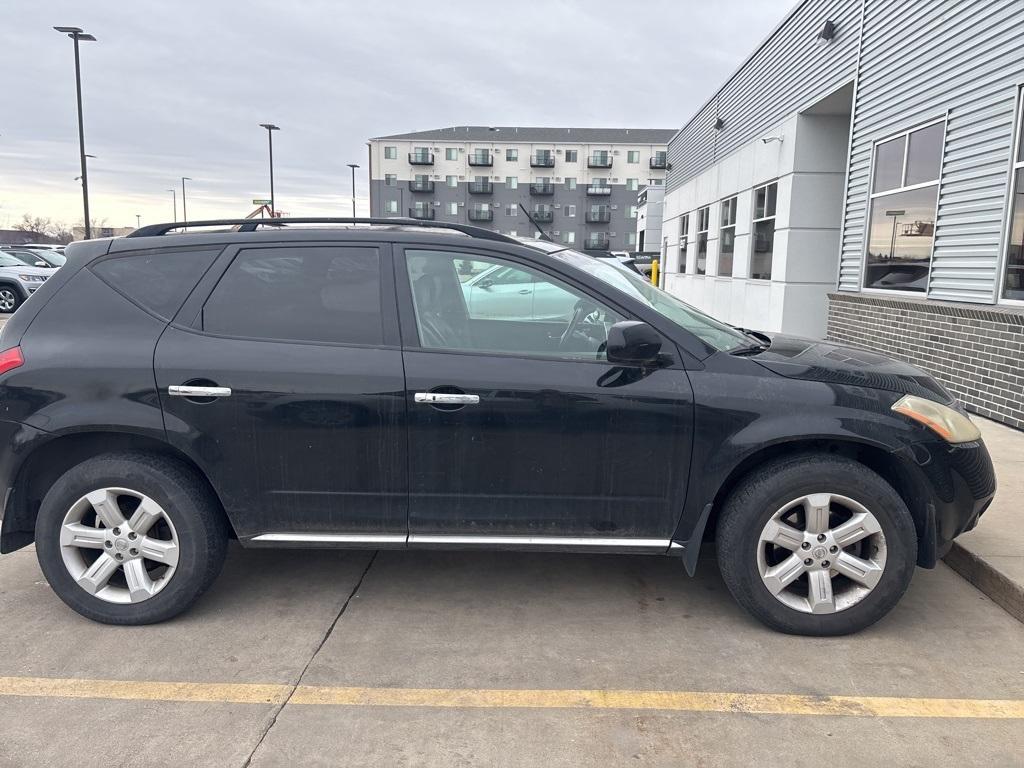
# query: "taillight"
{"points": [[11, 359]]}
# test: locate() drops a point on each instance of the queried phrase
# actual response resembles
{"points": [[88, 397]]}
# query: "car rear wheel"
{"points": [[816, 545], [130, 538], [9, 299]]}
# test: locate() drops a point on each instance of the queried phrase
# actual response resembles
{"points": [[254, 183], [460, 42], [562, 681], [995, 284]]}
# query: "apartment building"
{"points": [[579, 184], [860, 177]]}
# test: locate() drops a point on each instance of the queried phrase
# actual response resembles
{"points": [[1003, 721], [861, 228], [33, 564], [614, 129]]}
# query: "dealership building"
{"points": [[860, 177]]}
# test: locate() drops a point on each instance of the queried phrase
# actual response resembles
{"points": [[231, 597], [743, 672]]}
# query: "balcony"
{"points": [[599, 190], [543, 215], [425, 213], [542, 161], [599, 216], [485, 159], [659, 162], [599, 161], [479, 214], [421, 185], [542, 188], [421, 158], [596, 242], [481, 187]]}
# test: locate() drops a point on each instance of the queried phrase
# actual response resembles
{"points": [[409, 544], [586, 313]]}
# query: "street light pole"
{"points": [[270, 145], [138, 220], [184, 208], [76, 34], [353, 166], [174, 199]]}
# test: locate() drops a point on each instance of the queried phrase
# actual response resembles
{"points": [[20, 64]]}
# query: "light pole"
{"points": [[353, 166], [270, 145], [138, 220], [76, 34], [184, 206], [174, 201]]}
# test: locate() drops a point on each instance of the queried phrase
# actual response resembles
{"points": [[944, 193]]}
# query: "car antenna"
{"points": [[543, 235]]}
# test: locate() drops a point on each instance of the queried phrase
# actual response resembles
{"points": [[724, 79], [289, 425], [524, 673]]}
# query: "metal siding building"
{"points": [[869, 252]]}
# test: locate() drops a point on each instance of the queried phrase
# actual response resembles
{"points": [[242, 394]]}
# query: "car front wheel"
{"points": [[9, 299], [130, 538], [816, 545]]}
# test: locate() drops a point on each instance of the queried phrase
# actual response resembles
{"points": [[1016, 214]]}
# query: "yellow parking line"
{"points": [[475, 698]]}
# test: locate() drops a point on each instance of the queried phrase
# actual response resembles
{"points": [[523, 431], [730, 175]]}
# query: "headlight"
{"points": [[949, 424], [31, 278]]}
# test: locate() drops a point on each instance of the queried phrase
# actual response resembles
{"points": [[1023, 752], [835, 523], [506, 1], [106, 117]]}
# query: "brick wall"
{"points": [[976, 352]]}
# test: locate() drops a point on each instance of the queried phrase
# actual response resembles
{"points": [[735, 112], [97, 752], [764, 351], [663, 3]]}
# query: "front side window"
{"points": [[633, 156], [299, 293], [727, 237], [451, 153], [471, 303], [1013, 279], [901, 223], [763, 247], [512, 153], [390, 153], [703, 224]]}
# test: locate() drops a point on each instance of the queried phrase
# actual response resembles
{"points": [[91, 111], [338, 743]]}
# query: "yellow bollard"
{"points": [[654, 272]]}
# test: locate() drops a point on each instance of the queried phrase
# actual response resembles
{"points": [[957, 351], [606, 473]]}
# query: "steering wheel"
{"points": [[580, 312]]}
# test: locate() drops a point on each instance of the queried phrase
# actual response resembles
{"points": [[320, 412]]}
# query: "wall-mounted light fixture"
{"points": [[719, 123], [828, 31], [770, 139]]}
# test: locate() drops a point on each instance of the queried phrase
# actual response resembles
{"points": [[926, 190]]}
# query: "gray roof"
{"points": [[513, 133]]}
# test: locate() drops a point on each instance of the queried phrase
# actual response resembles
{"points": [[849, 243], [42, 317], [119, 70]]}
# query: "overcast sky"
{"points": [[178, 88]]}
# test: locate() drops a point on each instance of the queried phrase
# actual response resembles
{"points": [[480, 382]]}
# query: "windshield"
{"points": [[6, 260], [716, 334]]}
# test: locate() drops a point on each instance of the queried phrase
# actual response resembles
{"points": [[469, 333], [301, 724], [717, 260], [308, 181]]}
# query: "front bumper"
{"points": [[957, 484]]}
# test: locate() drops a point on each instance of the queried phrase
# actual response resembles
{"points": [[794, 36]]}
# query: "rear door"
{"points": [[283, 378]]}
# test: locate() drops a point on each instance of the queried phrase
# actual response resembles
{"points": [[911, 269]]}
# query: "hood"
{"points": [[30, 270], [811, 360]]}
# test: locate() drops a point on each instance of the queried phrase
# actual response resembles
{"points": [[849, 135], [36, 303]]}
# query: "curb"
{"points": [[1006, 593]]}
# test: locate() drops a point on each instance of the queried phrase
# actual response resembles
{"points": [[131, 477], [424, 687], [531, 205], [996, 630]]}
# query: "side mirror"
{"points": [[42, 264], [633, 343]]}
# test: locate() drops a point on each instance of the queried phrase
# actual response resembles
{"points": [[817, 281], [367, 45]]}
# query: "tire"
{"points": [[802, 609], [188, 538], [10, 299]]}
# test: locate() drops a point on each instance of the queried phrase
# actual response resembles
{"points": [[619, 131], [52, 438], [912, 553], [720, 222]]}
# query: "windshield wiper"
{"points": [[750, 349]]}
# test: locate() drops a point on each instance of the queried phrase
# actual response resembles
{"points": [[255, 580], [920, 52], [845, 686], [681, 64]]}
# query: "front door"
{"points": [[288, 388], [519, 428]]}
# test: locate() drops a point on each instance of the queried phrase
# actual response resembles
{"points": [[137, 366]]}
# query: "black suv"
{"points": [[404, 384]]}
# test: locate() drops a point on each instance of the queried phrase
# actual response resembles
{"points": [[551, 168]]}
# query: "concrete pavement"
{"points": [[481, 623]]}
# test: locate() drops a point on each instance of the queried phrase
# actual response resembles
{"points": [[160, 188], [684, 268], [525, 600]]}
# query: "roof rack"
{"points": [[250, 225]]}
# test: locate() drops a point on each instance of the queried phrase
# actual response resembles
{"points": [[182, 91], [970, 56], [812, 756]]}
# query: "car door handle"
{"points": [[186, 390], [446, 398]]}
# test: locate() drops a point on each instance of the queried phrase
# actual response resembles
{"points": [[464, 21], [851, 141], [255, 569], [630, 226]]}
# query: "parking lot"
{"points": [[457, 658]]}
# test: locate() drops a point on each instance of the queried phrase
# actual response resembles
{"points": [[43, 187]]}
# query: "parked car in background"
{"points": [[51, 257], [316, 385], [18, 280], [32, 258]]}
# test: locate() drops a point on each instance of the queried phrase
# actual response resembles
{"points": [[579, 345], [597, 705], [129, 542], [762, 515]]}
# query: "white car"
{"points": [[18, 281], [499, 293]]}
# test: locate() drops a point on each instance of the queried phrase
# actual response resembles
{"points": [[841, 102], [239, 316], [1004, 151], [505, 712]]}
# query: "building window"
{"points": [[512, 182], [763, 231], [632, 184], [655, 182], [390, 153], [684, 239], [727, 237], [511, 209], [570, 182], [703, 223], [390, 180], [568, 238], [572, 155], [631, 238], [391, 206], [633, 156], [512, 154], [451, 153], [451, 181], [453, 209], [1013, 279], [901, 224], [632, 212], [570, 211]]}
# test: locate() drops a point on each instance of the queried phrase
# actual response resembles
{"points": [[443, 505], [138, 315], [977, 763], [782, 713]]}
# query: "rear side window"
{"points": [[158, 280], [300, 293]]}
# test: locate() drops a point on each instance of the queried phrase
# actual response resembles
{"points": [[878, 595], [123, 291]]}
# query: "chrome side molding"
{"points": [[332, 538], [429, 539]]}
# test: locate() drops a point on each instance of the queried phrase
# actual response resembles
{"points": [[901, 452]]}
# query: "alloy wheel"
{"points": [[119, 545], [821, 553], [7, 300]]}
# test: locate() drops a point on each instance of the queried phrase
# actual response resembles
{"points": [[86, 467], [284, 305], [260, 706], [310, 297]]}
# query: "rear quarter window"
{"points": [[158, 280]]}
